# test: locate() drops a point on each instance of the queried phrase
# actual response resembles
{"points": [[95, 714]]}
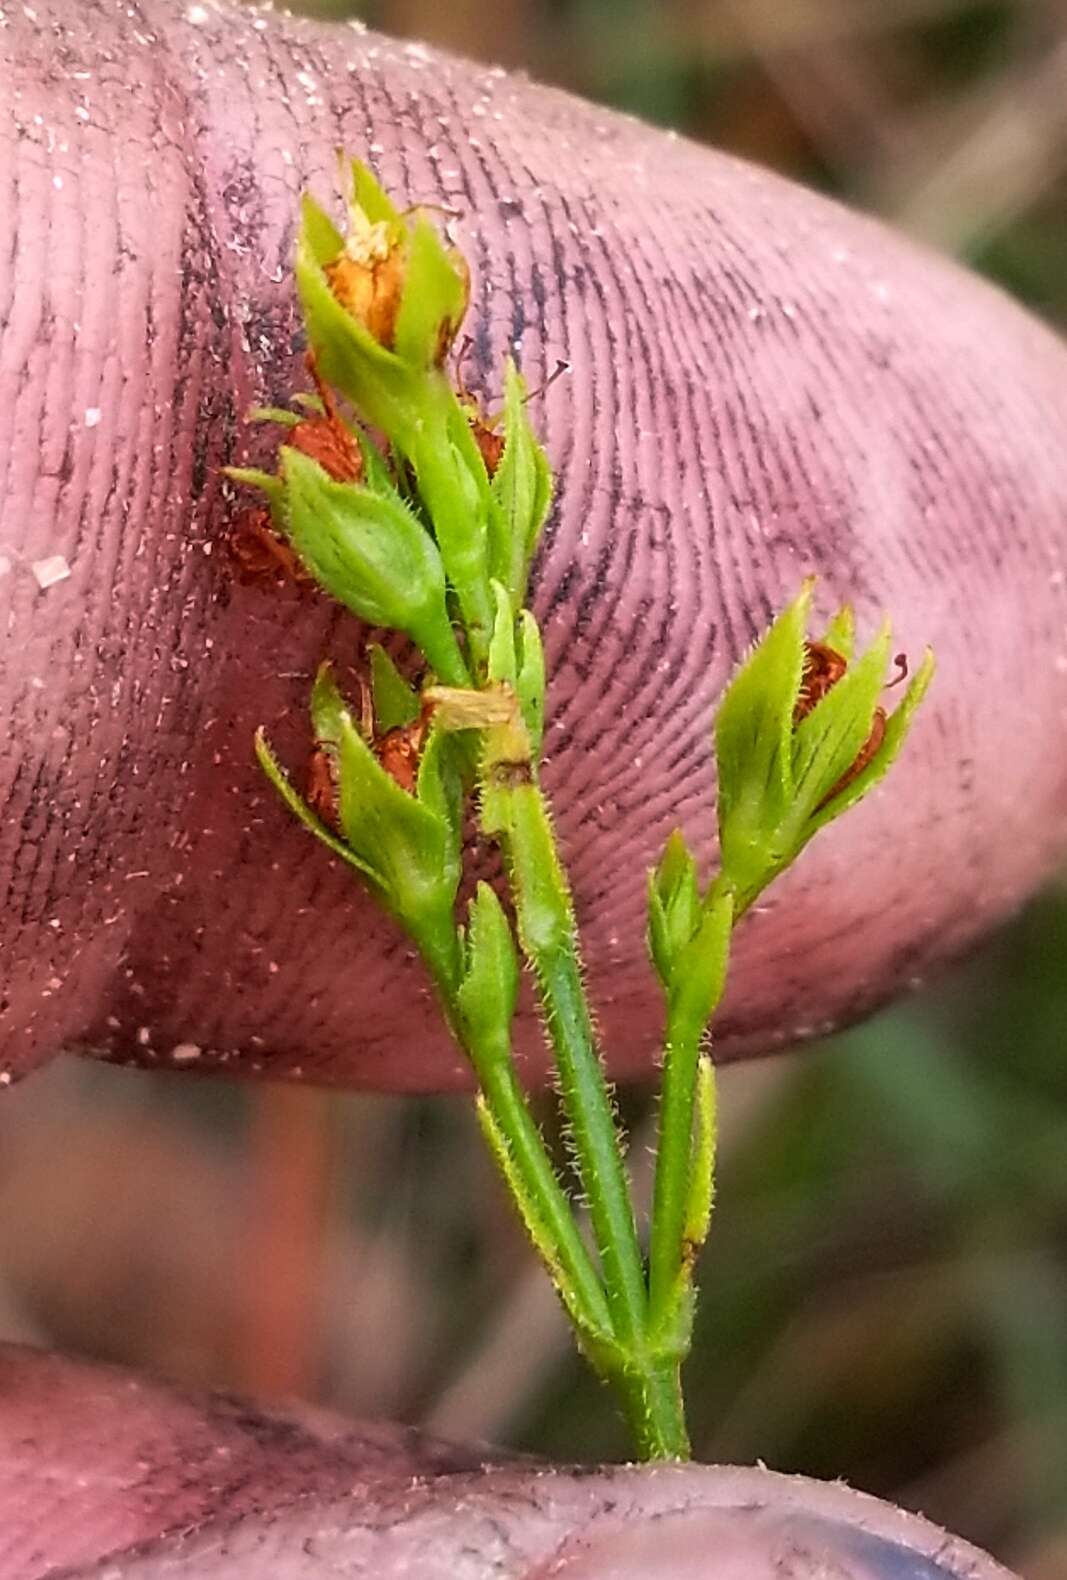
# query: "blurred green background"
{"points": [[885, 1291]]}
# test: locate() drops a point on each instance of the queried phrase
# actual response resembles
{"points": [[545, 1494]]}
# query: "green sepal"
{"points": [[753, 742], [490, 988], [371, 554], [522, 487], [896, 729], [396, 703], [827, 742], [368, 195], [530, 680], [300, 810], [403, 839], [840, 634], [318, 231], [433, 301], [698, 975], [673, 906]]}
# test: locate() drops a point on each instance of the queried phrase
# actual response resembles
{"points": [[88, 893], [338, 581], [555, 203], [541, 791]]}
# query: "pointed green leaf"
{"points": [[522, 487], [439, 788], [753, 742], [698, 973], [595, 1340], [530, 681], [673, 906], [502, 656], [396, 703], [490, 987], [702, 1179], [300, 810]]}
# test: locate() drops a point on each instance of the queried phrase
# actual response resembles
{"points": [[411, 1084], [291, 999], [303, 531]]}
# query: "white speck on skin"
{"points": [[185, 1052], [57, 182], [197, 15], [5, 1077], [55, 983], [49, 571], [92, 416], [5, 566], [144, 1036]]}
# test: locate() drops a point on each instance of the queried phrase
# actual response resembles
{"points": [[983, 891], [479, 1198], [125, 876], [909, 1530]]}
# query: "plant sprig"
{"points": [[419, 515]]}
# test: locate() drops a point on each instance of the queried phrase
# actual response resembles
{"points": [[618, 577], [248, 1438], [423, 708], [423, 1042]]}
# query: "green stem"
{"points": [[547, 933], [655, 1413]]}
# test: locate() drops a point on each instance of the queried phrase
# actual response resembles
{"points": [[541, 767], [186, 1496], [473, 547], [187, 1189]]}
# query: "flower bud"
{"points": [[801, 736]]}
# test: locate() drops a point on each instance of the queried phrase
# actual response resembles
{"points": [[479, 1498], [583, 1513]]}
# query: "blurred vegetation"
{"points": [[885, 1291]]}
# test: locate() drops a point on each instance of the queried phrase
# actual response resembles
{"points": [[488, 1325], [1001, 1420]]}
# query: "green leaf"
{"points": [[522, 487], [828, 740], [753, 740], [300, 810], [489, 991], [530, 680], [698, 976], [369, 195], [433, 301], [702, 1179], [503, 662], [896, 730], [439, 788], [372, 555], [673, 906], [596, 1341], [395, 702]]}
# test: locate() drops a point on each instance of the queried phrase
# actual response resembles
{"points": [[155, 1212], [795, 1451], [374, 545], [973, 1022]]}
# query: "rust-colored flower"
{"points": [[368, 277]]}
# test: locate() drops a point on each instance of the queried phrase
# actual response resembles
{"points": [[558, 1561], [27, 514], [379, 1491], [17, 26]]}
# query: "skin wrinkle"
{"points": [[815, 388], [105, 1474]]}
